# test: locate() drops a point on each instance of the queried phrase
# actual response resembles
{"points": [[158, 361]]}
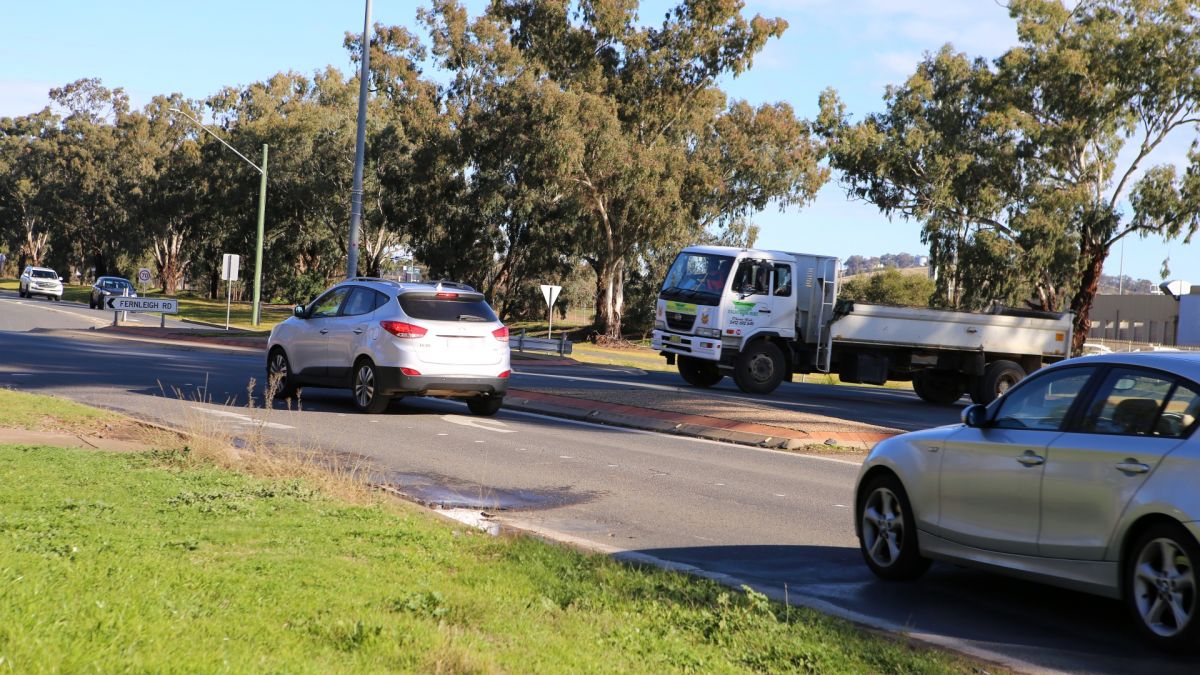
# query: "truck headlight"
{"points": [[660, 324], [708, 332]]}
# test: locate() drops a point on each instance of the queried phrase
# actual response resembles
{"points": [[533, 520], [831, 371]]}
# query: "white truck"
{"points": [[761, 316]]}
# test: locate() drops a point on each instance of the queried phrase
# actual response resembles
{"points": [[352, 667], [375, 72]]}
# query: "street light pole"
{"points": [[359, 148], [262, 211]]}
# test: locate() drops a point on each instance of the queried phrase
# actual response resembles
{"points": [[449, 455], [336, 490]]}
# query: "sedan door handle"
{"points": [[1131, 465], [324, 331], [1030, 459]]}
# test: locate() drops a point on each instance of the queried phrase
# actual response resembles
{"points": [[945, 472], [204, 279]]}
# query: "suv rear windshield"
{"points": [[460, 307], [43, 274]]}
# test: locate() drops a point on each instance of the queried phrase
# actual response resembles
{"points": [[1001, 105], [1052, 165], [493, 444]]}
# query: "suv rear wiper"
{"points": [[471, 317]]}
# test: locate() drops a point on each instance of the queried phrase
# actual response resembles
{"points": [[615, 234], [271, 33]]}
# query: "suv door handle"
{"points": [[1030, 459], [1131, 465], [358, 331], [324, 331]]}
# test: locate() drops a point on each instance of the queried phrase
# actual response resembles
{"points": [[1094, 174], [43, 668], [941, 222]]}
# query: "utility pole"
{"points": [[356, 191]]}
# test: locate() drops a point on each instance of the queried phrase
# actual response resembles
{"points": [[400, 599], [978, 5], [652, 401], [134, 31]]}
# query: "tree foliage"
{"points": [[890, 287], [1014, 167]]}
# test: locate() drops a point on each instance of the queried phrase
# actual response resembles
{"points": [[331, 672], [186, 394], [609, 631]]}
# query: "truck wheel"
{"points": [[759, 368], [698, 372], [998, 378], [938, 387]]}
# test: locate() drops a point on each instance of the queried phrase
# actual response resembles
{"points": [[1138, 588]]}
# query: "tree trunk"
{"points": [[101, 265], [1092, 260], [168, 259], [610, 296], [214, 283]]}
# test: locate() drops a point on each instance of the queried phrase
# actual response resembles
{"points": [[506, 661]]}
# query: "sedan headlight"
{"points": [[708, 332]]}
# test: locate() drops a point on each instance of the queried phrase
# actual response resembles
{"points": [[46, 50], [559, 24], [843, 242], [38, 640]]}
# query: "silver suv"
{"points": [[40, 281], [385, 339]]}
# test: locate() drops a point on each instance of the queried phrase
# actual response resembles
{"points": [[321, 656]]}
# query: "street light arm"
{"points": [[222, 141]]}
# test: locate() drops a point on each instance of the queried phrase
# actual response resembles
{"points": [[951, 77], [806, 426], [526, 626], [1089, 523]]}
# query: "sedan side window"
{"points": [[1140, 403], [1042, 403], [328, 304]]}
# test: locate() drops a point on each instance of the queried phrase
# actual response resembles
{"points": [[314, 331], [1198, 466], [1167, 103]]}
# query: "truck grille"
{"points": [[677, 321]]}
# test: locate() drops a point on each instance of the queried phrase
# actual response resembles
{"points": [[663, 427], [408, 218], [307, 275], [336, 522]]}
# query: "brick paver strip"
{"points": [[699, 420]]}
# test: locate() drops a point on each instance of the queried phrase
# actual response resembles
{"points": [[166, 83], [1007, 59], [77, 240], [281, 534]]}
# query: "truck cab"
{"points": [[717, 301]]}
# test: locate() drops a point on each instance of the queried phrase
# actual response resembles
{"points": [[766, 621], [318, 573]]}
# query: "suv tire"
{"points": [[280, 368], [485, 406], [364, 383]]}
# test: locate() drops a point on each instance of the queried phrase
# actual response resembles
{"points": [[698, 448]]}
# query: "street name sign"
{"points": [[158, 305]]}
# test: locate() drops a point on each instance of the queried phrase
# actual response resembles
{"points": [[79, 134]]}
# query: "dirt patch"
{"points": [[722, 408], [123, 441]]}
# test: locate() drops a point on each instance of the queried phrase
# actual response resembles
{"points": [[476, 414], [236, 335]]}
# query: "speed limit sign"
{"points": [[144, 275]]}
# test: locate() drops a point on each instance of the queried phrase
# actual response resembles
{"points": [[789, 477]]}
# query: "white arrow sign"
{"points": [[157, 305]]}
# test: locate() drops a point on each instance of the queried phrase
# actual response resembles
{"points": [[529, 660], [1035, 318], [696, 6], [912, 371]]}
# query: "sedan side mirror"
{"points": [[975, 415], [298, 312]]}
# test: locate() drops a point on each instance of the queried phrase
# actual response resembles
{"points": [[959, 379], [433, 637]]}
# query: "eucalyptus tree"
{"points": [[627, 135], [93, 175], [26, 209], [1016, 168]]}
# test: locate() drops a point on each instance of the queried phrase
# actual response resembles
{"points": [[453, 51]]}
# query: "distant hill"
{"points": [[857, 264], [906, 271], [1111, 285]]}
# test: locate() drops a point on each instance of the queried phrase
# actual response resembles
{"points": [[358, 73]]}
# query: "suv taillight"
{"points": [[403, 330], [501, 333]]}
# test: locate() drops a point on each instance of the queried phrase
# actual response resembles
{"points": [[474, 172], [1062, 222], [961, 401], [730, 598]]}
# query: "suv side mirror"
{"points": [[975, 415], [299, 313]]}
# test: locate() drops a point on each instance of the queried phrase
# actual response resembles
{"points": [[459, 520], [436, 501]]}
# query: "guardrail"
{"points": [[521, 342]]}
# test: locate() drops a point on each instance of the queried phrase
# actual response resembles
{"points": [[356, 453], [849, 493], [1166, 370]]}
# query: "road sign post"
{"points": [[229, 274], [550, 293]]}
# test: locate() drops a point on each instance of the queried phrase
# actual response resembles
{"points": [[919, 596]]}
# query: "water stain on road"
{"points": [[450, 493]]}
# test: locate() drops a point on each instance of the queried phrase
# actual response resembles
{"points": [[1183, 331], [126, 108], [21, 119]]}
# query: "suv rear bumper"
{"points": [[392, 382]]}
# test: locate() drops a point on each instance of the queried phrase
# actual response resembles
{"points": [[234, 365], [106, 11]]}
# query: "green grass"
{"points": [[190, 307], [31, 411], [163, 562]]}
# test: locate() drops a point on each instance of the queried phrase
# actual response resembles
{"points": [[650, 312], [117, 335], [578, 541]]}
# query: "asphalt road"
{"points": [[772, 519]]}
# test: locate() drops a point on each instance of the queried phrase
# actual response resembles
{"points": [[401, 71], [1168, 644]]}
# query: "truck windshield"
{"points": [[696, 274]]}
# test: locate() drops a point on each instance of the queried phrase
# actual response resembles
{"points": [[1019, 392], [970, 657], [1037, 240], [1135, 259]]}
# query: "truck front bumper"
{"points": [[707, 348]]}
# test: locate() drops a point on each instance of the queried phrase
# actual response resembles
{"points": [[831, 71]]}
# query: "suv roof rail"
{"points": [[446, 283]]}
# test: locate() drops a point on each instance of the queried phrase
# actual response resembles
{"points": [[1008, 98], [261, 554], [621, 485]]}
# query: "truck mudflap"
{"points": [[705, 348]]}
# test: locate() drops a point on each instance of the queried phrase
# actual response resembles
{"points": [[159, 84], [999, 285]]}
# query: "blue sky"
{"points": [[855, 46]]}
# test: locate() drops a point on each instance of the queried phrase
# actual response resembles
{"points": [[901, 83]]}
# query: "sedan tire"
{"points": [[887, 531], [364, 387], [1159, 580]]}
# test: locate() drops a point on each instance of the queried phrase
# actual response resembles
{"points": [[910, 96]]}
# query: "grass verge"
{"points": [[48, 413], [169, 561]]}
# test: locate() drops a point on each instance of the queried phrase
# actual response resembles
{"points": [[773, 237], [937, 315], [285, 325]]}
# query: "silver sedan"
{"points": [[1085, 475]]}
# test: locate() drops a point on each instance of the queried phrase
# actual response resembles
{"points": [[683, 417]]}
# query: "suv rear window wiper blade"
{"points": [[471, 317]]}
